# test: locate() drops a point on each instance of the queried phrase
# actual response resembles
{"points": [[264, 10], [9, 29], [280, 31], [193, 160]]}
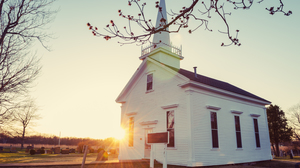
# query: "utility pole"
{"points": [[59, 139]]}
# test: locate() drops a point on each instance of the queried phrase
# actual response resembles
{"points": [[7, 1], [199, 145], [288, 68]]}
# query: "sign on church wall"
{"points": [[161, 137]]}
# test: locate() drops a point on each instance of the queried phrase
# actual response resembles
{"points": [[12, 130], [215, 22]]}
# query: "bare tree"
{"points": [[196, 11], [6, 119], [25, 115], [295, 119], [21, 24]]}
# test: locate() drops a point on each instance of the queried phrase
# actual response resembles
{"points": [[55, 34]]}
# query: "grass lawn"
{"points": [[27, 158], [22, 157]]}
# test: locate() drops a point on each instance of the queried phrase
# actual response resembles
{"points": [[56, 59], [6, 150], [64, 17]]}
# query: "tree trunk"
{"points": [[277, 148], [274, 149], [23, 138]]}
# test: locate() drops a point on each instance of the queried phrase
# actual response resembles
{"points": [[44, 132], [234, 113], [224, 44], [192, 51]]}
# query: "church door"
{"points": [[147, 146]]}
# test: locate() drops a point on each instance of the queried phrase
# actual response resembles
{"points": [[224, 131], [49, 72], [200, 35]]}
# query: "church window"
{"points": [[238, 131], [256, 133], [170, 128], [130, 131], [149, 82], [214, 129]]}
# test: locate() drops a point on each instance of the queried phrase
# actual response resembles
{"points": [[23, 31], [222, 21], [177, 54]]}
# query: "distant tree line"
{"points": [[53, 140]]}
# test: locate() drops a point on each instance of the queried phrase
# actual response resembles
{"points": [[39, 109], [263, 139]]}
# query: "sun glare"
{"points": [[119, 133]]}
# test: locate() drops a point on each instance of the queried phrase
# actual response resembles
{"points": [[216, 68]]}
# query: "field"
{"points": [[7, 145]]}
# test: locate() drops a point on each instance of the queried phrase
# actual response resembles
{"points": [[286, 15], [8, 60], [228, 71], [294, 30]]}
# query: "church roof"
{"points": [[215, 83]]}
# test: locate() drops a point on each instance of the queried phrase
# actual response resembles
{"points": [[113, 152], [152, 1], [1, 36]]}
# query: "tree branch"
{"points": [[181, 20]]}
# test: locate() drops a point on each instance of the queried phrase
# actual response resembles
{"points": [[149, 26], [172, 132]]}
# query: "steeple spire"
{"points": [[162, 51], [161, 20]]}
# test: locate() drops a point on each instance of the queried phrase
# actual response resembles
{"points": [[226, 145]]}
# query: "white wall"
{"points": [[228, 152]]}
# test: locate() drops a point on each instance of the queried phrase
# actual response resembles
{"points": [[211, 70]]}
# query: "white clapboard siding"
{"points": [[227, 153], [148, 107]]}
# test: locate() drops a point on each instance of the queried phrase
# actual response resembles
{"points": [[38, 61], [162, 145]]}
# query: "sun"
{"points": [[119, 133]]}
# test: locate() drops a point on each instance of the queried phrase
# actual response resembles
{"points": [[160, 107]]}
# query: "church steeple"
{"points": [[163, 38], [162, 50]]}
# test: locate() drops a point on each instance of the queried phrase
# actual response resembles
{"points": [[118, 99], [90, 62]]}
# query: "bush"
{"points": [[32, 152], [42, 151], [105, 155], [65, 151], [29, 147], [102, 156], [80, 147], [100, 149], [72, 150]]}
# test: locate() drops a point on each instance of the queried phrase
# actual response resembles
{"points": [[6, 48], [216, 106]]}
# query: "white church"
{"points": [[210, 122]]}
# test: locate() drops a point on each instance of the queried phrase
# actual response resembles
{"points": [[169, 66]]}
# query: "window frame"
{"points": [[214, 131], [131, 132], [256, 133], [168, 129], [238, 132], [147, 83]]}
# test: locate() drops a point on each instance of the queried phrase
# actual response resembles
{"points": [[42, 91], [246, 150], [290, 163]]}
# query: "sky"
{"points": [[82, 75]]}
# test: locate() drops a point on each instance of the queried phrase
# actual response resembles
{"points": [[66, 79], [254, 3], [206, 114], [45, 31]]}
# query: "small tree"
{"points": [[25, 116], [278, 128], [295, 119]]}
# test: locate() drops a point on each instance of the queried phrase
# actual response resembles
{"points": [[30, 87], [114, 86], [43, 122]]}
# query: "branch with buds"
{"points": [[180, 20]]}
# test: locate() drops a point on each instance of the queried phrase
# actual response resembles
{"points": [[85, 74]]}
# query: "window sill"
{"points": [[215, 149], [257, 148], [149, 91], [239, 149]]}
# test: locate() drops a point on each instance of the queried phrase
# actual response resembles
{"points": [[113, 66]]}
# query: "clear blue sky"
{"points": [[83, 75]]}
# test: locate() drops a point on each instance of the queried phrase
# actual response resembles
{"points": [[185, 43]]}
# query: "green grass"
{"points": [[22, 157], [287, 158]]}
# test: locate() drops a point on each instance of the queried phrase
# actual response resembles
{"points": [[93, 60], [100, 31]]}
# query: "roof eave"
{"points": [[130, 83], [223, 92]]}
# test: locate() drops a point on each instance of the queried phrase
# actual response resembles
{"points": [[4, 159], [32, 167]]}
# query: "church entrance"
{"points": [[147, 146]]}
